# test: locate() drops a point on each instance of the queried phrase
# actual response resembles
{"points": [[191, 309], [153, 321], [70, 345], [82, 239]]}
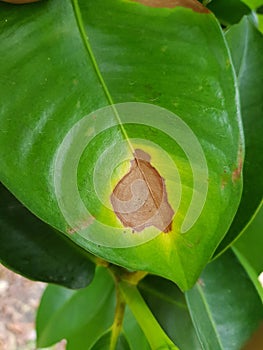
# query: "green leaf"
{"points": [[246, 45], [81, 316], [224, 305], [229, 11], [169, 307], [168, 58], [250, 271], [35, 250], [251, 242]]}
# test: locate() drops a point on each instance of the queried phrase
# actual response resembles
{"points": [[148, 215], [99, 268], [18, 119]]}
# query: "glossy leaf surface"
{"points": [[224, 305], [35, 250], [184, 67], [246, 45]]}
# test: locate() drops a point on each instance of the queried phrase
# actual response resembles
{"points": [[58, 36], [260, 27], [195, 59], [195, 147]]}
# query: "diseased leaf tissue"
{"points": [[140, 199]]}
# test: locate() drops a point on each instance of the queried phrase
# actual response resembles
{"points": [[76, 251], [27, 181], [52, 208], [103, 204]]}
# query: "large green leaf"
{"points": [[81, 316], [246, 46], [36, 250], [171, 58], [224, 305]]}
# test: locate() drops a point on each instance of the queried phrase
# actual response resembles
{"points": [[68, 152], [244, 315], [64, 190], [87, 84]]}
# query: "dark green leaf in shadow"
{"points": [[224, 305], [37, 251], [246, 46], [251, 272], [250, 244], [169, 307], [81, 316], [228, 11]]}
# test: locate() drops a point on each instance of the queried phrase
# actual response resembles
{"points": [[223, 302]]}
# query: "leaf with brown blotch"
{"points": [[192, 4], [140, 199]]}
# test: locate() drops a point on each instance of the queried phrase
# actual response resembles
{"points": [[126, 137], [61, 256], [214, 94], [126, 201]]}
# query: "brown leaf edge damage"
{"points": [[140, 199], [19, 2], [192, 4], [237, 172]]}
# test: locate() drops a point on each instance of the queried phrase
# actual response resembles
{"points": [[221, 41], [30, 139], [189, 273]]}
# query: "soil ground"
{"points": [[19, 299]]}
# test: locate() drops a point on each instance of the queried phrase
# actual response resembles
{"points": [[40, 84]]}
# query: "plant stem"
{"points": [[134, 277], [118, 318], [121, 274]]}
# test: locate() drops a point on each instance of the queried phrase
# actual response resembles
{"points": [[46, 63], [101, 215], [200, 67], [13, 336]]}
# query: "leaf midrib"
{"points": [[209, 314], [84, 36], [88, 48]]}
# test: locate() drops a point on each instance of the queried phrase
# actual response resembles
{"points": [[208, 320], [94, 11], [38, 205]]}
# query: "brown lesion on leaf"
{"points": [[140, 200], [201, 283], [237, 172], [81, 226], [195, 5]]}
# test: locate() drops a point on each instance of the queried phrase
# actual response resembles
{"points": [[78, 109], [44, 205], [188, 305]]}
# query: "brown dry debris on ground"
{"points": [[19, 299]]}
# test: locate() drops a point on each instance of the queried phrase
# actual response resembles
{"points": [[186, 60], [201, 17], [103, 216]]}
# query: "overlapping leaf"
{"points": [[169, 307], [54, 79], [251, 242], [90, 311], [246, 45], [224, 305], [35, 250]]}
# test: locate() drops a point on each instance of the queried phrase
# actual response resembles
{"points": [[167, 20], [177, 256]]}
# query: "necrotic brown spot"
{"points": [[140, 199], [192, 4]]}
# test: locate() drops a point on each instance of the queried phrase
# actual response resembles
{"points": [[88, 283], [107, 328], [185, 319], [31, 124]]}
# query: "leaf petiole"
{"points": [[151, 328]]}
